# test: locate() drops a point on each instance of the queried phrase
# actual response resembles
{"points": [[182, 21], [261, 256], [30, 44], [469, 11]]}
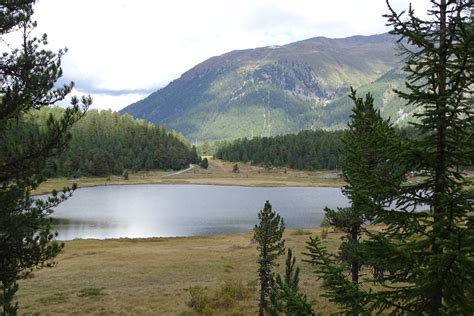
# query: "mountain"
{"points": [[278, 89]]}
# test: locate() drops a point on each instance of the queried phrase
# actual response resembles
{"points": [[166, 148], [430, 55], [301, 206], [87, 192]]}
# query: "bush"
{"points": [[224, 297], [125, 175], [200, 301], [234, 289], [325, 228], [236, 169], [300, 232], [204, 163], [324, 233], [90, 292]]}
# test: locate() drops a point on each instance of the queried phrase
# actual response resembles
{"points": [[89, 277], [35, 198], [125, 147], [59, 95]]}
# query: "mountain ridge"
{"points": [[274, 89]]}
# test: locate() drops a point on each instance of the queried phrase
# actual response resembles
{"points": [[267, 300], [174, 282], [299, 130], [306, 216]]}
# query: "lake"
{"points": [[139, 211]]}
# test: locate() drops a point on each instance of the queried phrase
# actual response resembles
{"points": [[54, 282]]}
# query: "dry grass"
{"points": [[219, 172], [153, 276]]}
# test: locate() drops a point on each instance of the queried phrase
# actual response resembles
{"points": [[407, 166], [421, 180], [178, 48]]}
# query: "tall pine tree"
{"points": [[268, 233], [371, 174], [430, 255], [28, 75]]}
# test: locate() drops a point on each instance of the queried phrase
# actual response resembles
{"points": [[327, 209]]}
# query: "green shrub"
{"points": [[235, 289], [90, 292], [204, 163], [224, 297], [325, 228], [324, 233], [300, 232], [200, 301]]}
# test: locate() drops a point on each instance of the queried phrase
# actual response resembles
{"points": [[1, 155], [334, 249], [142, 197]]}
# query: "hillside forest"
{"points": [[104, 143]]}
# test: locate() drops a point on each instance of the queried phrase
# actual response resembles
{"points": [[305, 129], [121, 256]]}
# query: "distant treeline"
{"points": [[307, 150], [105, 143]]}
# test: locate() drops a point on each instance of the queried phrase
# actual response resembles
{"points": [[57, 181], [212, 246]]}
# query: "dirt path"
{"points": [[191, 166]]}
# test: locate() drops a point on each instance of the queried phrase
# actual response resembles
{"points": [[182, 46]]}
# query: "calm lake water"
{"points": [[185, 210]]}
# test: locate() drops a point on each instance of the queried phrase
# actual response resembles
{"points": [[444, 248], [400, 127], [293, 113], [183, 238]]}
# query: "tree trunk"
{"points": [[355, 264]]}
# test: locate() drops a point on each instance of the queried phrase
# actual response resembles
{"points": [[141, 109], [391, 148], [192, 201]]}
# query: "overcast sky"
{"points": [[122, 50]]}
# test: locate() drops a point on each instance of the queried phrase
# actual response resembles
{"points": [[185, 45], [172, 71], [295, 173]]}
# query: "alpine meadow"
{"points": [[237, 158]]}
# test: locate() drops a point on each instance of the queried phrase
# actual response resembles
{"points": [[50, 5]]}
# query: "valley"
{"points": [[286, 175]]}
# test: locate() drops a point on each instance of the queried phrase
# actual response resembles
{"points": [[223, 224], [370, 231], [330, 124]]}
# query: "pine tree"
{"points": [[204, 163], [28, 75], [268, 234], [372, 176], [430, 254], [285, 296]]}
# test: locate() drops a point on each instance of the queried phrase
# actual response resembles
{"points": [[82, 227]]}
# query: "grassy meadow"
{"points": [[155, 275]]}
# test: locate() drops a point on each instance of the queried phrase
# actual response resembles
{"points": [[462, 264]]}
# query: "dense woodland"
{"points": [[308, 150], [105, 143]]}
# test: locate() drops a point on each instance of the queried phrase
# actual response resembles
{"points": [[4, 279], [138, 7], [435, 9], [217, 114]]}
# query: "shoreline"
{"points": [[219, 173], [163, 238], [170, 238], [243, 185]]}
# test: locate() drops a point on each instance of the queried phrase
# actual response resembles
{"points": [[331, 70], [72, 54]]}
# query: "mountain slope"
{"points": [[274, 90]]}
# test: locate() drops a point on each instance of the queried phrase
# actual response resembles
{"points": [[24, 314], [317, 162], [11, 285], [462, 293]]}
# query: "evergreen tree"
{"points": [[430, 255], [268, 233], [285, 296], [28, 75], [372, 175], [205, 163]]}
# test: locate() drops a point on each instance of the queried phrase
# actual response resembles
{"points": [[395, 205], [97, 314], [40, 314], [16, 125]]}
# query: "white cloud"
{"points": [[117, 45], [104, 101]]}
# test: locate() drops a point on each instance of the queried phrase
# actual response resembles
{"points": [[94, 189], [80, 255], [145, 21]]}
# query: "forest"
{"points": [[307, 150], [104, 143]]}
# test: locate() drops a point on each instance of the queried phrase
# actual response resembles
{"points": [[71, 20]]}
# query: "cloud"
{"points": [[83, 84], [122, 49], [106, 101]]}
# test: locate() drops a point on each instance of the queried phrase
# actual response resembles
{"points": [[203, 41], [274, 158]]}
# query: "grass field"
{"points": [[219, 172], [153, 276]]}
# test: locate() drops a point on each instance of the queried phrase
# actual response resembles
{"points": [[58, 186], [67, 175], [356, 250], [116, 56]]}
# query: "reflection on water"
{"points": [[184, 210]]}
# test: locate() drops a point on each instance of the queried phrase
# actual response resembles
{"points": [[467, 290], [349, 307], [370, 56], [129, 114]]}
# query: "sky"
{"points": [[120, 51]]}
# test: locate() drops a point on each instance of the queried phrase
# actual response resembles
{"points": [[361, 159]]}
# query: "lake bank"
{"points": [[151, 276], [218, 173]]}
